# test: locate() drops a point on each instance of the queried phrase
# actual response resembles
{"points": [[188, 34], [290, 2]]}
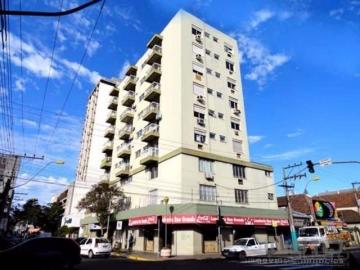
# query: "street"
{"points": [[285, 263]]}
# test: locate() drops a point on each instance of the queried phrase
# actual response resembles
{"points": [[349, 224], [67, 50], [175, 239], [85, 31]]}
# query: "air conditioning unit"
{"points": [[200, 99], [231, 72], [240, 181], [210, 178], [199, 57], [236, 111], [201, 122], [229, 53], [198, 37], [237, 133], [198, 77]]}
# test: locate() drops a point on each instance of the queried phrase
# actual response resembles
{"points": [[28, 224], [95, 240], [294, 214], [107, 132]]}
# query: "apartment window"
{"points": [[239, 171], [235, 126], [153, 196], [233, 104], [217, 74], [199, 137], [207, 52], [205, 165], [139, 133], [199, 112], [231, 85], [207, 34], [216, 56], [219, 95], [241, 196], [196, 31], [222, 138], [267, 173], [221, 115], [212, 113], [137, 153], [270, 196], [153, 172], [208, 71], [212, 135], [197, 50], [237, 147], [210, 91], [215, 39], [198, 70], [229, 66], [228, 49], [141, 97], [198, 89], [207, 193]]}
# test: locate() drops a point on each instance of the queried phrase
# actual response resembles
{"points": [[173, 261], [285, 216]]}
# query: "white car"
{"points": [[244, 247], [95, 247]]}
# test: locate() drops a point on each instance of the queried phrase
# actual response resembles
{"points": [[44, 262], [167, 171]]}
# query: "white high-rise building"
{"points": [[88, 171], [180, 151]]}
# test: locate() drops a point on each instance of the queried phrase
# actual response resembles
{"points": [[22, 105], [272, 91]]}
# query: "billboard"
{"points": [[323, 209]]}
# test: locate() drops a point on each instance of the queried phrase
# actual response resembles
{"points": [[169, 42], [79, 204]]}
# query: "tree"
{"points": [[52, 214], [98, 200]]}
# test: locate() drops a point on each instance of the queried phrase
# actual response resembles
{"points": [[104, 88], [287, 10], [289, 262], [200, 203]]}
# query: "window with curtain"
{"points": [[207, 193], [239, 171], [153, 196], [198, 89], [237, 147], [241, 196], [206, 166]]}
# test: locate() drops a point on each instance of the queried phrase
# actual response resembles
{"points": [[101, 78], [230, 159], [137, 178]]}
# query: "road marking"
{"points": [[299, 266]]}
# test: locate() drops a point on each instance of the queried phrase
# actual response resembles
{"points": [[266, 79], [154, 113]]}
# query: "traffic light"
{"points": [[310, 166]]}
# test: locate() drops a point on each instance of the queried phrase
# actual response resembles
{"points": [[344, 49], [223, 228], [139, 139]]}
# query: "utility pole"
{"points": [[355, 194], [286, 188]]}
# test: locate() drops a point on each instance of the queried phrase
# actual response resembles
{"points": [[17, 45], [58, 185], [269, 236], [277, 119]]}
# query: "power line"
{"points": [[22, 80]]}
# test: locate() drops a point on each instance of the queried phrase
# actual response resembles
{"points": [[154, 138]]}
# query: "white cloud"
{"points": [[255, 138], [260, 60], [297, 133], [93, 47], [336, 13], [93, 76], [288, 155], [20, 85], [124, 68], [268, 145], [127, 16], [29, 123], [259, 17]]}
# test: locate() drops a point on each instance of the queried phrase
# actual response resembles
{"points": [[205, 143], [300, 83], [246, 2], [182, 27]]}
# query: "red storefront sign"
{"points": [[229, 220], [146, 220]]}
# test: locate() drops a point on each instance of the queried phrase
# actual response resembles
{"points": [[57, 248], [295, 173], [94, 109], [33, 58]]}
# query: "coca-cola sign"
{"points": [[146, 220]]}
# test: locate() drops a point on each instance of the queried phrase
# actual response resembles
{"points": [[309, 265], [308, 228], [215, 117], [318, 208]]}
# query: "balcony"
{"points": [[124, 150], [150, 112], [127, 116], [132, 70], [106, 163], [108, 147], [113, 103], [149, 156], [153, 92], [109, 132], [105, 177], [150, 133], [122, 169], [128, 99], [125, 132], [114, 91], [111, 117], [130, 83], [155, 40], [154, 55], [154, 73]]}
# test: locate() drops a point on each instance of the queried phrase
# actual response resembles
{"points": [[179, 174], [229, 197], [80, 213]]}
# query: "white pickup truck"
{"points": [[244, 247]]}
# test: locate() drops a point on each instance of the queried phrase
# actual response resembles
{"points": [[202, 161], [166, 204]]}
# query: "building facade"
{"points": [[88, 171], [180, 151]]}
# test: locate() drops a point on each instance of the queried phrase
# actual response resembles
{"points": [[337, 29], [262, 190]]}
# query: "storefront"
{"points": [[194, 228]]}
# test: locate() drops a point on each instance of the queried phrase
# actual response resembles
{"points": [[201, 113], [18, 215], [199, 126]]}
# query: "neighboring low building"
{"points": [[61, 198]]}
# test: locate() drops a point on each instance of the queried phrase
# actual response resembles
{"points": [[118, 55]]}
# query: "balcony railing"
{"points": [[114, 91], [108, 147], [149, 155], [150, 132], [113, 103], [124, 150], [125, 132], [150, 112], [122, 169], [106, 163], [130, 83], [154, 55], [109, 132], [127, 116], [128, 99], [105, 177], [154, 73], [111, 117], [155, 40], [153, 92], [131, 70]]}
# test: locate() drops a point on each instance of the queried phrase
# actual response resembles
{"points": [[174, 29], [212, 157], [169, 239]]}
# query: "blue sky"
{"points": [[300, 64]]}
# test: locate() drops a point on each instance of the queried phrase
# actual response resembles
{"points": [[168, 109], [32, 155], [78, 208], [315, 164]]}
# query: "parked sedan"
{"points": [[95, 247], [42, 253]]}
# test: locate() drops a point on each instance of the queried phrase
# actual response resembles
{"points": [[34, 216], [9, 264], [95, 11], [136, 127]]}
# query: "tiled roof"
{"points": [[300, 203], [349, 216], [341, 198]]}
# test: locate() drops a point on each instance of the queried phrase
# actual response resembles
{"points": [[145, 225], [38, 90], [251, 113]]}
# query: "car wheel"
{"points": [[242, 255], [91, 254]]}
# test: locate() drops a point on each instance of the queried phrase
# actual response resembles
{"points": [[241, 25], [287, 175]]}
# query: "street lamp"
{"points": [[58, 162], [313, 179]]}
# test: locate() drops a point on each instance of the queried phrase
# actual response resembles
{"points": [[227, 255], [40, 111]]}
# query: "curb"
{"points": [[139, 258]]}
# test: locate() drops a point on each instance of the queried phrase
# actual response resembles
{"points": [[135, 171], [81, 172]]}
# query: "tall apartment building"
{"points": [[88, 171], [180, 150]]}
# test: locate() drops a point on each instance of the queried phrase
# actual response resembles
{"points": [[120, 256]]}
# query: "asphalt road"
{"points": [[116, 263]]}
